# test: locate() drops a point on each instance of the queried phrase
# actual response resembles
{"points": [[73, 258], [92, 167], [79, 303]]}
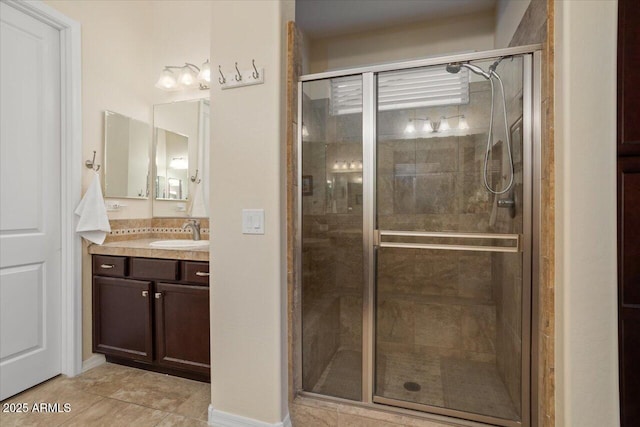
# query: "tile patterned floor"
{"points": [[115, 396], [447, 382]]}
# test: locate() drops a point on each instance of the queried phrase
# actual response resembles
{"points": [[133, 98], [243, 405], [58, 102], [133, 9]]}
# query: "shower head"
{"points": [[454, 67]]}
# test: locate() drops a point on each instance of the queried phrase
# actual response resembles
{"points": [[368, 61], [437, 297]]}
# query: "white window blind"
{"points": [[423, 87]]}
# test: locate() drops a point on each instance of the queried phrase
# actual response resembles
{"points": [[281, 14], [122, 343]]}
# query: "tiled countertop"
{"points": [[141, 248]]}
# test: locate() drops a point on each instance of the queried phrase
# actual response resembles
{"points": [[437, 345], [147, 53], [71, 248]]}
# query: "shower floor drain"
{"points": [[411, 386]]}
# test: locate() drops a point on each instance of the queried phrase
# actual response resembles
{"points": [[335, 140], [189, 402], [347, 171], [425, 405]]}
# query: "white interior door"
{"points": [[30, 218]]}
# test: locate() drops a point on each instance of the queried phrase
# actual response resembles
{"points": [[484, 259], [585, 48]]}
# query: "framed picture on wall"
{"points": [[307, 185]]}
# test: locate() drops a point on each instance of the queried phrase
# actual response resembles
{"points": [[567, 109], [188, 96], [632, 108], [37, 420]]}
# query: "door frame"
{"points": [[70, 177]]}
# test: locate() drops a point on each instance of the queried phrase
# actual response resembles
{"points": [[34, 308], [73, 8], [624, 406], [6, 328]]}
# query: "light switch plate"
{"points": [[252, 221]]}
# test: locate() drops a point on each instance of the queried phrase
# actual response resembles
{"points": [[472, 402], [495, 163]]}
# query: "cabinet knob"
{"points": [[158, 295], [145, 293], [107, 266], [202, 273]]}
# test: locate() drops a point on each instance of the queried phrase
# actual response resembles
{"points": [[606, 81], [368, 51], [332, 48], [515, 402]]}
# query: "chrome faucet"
{"points": [[194, 224]]}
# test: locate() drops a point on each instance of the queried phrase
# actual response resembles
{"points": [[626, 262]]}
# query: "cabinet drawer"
{"points": [[155, 269], [196, 272], [104, 265]]}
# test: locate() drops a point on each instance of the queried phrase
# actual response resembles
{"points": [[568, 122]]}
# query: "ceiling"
{"points": [[323, 18]]}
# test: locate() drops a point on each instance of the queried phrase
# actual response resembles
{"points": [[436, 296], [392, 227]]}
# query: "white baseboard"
{"points": [[93, 362], [225, 419]]}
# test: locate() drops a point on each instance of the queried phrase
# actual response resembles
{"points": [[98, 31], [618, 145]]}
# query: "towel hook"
{"points": [[90, 164], [255, 74], [195, 178], [238, 75], [221, 79]]}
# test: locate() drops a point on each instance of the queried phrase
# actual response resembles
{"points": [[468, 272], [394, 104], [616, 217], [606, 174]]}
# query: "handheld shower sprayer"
{"points": [[455, 67]]}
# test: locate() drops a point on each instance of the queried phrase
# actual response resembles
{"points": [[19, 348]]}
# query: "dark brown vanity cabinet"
{"points": [[122, 318], [152, 313], [178, 309]]}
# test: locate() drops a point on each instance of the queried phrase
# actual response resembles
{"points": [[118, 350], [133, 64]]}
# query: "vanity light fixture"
{"points": [[167, 80], [204, 75], [444, 124], [462, 123], [178, 163], [347, 166], [441, 125], [189, 76], [410, 128]]}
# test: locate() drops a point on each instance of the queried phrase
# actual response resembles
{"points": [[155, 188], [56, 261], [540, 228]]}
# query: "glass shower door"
{"points": [[331, 237], [449, 298]]}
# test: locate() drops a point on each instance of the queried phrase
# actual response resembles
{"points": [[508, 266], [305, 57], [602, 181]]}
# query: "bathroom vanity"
{"points": [[151, 307]]}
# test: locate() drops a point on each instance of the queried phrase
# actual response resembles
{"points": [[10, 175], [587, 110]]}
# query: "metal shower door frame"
{"points": [[529, 241]]}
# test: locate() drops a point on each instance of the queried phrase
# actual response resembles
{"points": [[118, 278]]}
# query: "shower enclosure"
{"points": [[417, 188]]}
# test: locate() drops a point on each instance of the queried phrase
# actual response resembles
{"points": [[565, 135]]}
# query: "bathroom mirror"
{"points": [[181, 146], [172, 165], [127, 144]]}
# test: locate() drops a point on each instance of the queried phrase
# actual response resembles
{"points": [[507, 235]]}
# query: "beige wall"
{"points": [[116, 69], [248, 298], [586, 334], [402, 42], [509, 13]]}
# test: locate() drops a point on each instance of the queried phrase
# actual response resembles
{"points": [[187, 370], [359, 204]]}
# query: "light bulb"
{"points": [[444, 124], [345, 165], [428, 127], [305, 131], [204, 75], [410, 127], [179, 163], [462, 124], [167, 80], [336, 165], [186, 77], [353, 164]]}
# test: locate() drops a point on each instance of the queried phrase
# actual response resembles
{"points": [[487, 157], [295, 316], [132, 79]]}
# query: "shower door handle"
{"points": [[452, 241]]}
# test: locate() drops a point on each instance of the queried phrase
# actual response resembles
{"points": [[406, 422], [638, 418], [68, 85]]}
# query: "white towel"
{"points": [[197, 207], [93, 224]]}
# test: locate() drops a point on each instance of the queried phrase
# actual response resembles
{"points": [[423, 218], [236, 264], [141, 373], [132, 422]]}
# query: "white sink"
{"points": [[179, 243]]}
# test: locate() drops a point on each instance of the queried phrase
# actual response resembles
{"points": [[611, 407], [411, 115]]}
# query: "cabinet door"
{"points": [[182, 326], [629, 288], [122, 318]]}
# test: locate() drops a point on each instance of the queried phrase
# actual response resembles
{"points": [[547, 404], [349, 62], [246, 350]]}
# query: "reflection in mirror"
{"points": [[127, 144], [172, 165], [181, 158]]}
